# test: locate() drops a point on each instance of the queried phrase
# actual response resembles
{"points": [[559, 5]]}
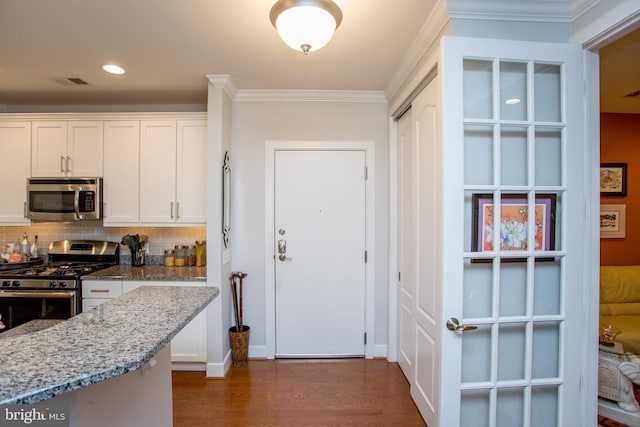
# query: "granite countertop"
{"points": [[149, 272], [117, 337], [30, 327]]}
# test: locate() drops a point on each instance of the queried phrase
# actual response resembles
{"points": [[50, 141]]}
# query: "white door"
{"points": [[513, 119], [420, 242], [491, 323], [319, 238]]}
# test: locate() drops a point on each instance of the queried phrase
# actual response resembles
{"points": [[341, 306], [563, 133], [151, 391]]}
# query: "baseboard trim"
{"points": [[380, 351], [188, 366], [219, 370]]}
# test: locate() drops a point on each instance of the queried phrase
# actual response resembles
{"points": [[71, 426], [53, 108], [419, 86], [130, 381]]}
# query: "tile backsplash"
{"points": [[160, 238]]}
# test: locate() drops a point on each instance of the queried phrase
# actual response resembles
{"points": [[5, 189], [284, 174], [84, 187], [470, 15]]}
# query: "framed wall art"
{"points": [[514, 218], [613, 179], [613, 221]]}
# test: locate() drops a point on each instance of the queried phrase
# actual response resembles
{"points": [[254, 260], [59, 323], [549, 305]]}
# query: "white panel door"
{"points": [[420, 240], [319, 231], [513, 163], [85, 148]]}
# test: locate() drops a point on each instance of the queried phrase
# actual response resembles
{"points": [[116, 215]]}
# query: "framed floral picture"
{"points": [[613, 179], [513, 223]]}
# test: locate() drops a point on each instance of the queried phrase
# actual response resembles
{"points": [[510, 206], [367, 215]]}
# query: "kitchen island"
{"points": [[119, 350]]}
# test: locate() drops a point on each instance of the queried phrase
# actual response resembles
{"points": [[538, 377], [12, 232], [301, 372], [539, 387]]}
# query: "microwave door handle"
{"points": [[76, 203]]}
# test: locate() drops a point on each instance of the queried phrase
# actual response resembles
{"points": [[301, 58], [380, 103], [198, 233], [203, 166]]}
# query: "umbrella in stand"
{"points": [[241, 275], [234, 298]]}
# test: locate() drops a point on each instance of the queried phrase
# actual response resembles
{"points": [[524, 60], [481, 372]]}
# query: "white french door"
{"points": [[491, 287], [513, 227]]}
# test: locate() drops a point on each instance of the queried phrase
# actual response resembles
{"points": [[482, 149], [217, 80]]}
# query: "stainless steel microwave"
{"points": [[64, 199]]}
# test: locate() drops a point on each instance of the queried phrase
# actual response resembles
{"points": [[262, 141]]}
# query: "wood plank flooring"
{"points": [[283, 393]]}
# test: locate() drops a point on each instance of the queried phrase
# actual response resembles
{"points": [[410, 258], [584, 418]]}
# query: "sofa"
{"points": [[619, 366], [620, 303]]}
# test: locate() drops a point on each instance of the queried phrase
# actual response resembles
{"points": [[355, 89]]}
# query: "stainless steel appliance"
{"points": [[53, 290], [64, 199]]}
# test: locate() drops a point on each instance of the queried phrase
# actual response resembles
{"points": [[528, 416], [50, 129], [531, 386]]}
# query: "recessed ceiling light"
{"points": [[512, 101], [113, 69]]}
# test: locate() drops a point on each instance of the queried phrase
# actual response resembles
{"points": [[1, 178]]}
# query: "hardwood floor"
{"points": [[283, 393]]}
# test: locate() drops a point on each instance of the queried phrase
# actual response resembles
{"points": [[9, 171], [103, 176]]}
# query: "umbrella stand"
{"points": [[239, 335]]}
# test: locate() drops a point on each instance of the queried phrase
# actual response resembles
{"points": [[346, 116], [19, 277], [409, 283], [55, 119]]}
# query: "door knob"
{"points": [[454, 325]]}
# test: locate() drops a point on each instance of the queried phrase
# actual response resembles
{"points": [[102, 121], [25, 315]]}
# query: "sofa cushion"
{"points": [[620, 284]]}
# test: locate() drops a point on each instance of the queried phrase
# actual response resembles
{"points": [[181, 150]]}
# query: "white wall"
{"points": [[258, 119]]}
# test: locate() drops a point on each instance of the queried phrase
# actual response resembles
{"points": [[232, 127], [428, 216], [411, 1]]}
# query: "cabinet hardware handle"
{"points": [[171, 210], [67, 163], [178, 210], [99, 291], [62, 164], [25, 209]]}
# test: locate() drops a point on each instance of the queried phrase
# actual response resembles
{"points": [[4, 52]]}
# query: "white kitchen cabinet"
{"points": [[121, 185], [190, 344], [15, 146], [173, 172], [61, 148], [96, 292]]}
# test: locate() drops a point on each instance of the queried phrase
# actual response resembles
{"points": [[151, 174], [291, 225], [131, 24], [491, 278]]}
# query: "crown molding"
{"points": [[409, 65], [509, 10], [310, 96], [223, 81]]}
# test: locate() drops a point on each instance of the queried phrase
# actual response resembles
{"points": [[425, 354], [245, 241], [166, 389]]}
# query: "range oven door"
{"points": [[22, 306]]}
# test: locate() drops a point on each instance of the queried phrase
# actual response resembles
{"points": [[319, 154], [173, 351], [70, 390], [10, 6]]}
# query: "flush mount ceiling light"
{"points": [[113, 69], [306, 25]]}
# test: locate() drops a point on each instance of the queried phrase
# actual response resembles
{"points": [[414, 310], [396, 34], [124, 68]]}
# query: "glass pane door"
{"points": [[514, 280]]}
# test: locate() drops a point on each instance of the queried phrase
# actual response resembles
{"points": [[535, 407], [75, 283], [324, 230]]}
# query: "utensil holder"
{"points": [[137, 258], [239, 345]]}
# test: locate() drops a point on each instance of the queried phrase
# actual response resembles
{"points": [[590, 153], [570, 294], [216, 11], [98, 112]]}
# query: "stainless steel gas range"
{"points": [[53, 290]]}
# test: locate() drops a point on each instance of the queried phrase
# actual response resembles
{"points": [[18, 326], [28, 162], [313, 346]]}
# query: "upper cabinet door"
{"points": [[49, 148], [191, 191], [158, 171], [121, 172], [67, 148], [15, 146], [85, 148]]}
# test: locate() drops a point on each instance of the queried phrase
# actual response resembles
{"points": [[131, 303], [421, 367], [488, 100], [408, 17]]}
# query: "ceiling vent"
{"points": [[71, 81]]}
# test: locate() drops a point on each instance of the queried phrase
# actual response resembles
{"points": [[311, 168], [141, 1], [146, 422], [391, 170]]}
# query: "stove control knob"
{"points": [[63, 284], [15, 283], [53, 284], [6, 283]]}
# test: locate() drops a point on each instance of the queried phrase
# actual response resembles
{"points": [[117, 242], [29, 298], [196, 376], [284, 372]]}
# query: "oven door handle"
{"points": [[37, 294]]}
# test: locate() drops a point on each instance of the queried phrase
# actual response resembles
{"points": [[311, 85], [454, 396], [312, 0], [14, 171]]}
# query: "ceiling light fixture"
{"points": [[306, 25], [113, 69], [512, 101]]}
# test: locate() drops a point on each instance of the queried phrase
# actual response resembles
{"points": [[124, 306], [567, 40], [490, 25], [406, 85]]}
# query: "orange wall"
{"points": [[620, 143]]}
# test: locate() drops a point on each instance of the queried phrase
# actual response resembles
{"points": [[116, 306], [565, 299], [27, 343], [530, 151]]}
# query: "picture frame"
{"points": [[613, 218], [514, 229], [613, 179]]}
